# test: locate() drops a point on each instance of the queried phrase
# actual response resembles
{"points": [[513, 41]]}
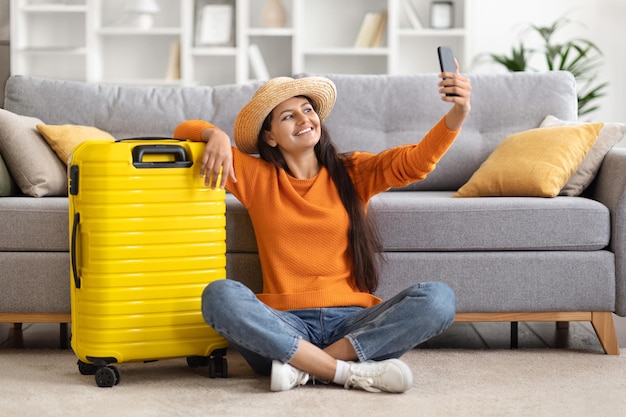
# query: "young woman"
{"points": [[317, 315]]}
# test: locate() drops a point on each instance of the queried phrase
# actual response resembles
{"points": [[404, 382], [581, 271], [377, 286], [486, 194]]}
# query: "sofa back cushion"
{"points": [[376, 112], [372, 113], [125, 111]]}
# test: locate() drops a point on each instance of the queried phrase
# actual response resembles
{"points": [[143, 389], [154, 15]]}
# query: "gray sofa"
{"points": [[508, 258]]}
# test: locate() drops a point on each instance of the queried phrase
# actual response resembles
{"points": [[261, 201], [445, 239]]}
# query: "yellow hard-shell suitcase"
{"points": [[146, 237]]}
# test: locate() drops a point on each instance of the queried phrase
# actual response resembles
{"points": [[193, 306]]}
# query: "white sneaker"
{"points": [[391, 375], [285, 377]]}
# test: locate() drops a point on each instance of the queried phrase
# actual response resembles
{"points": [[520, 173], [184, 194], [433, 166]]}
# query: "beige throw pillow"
{"points": [[35, 168]]}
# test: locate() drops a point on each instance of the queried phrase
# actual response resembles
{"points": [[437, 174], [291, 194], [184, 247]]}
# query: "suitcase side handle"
{"points": [[73, 250], [181, 160]]}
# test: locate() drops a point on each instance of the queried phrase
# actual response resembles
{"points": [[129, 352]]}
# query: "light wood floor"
{"points": [[579, 336]]}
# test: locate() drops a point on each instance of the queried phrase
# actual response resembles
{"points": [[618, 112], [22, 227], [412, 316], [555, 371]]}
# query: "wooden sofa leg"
{"points": [[514, 335], [605, 330], [64, 334], [602, 322]]}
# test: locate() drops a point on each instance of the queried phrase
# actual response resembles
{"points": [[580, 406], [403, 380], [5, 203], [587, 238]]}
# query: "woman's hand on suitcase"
{"points": [[217, 158]]}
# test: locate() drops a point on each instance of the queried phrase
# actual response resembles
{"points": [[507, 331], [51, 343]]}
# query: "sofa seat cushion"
{"points": [[435, 221], [34, 224]]}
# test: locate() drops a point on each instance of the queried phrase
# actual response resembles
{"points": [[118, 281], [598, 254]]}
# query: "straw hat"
{"points": [[320, 90]]}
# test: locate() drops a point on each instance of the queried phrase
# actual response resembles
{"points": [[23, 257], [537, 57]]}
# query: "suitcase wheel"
{"points": [[197, 361], [218, 365], [107, 376], [86, 368]]}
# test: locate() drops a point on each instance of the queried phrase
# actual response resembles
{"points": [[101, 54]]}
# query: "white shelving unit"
{"points": [[212, 64], [88, 40], [277, 45], [48, 39], [329, 48], [405, 49], [124, 54], [415, 49]]}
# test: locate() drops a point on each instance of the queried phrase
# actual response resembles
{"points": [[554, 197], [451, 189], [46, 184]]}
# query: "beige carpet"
{"points": [[480, 383]]}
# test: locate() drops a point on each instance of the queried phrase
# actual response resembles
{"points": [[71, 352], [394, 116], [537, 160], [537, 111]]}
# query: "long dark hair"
{"points": [[364, 242]]}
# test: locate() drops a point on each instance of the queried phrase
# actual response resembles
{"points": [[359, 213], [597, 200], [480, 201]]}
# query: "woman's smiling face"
{"points": [[295, 126]]}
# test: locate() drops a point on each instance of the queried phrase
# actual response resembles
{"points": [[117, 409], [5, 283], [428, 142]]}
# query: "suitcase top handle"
{"points": [[179, 153]]}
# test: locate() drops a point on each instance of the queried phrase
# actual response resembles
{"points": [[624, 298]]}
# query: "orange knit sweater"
{"points": [[301, 226]]}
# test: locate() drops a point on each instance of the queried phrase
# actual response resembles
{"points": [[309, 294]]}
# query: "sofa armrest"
{"points": [[609, 188]]}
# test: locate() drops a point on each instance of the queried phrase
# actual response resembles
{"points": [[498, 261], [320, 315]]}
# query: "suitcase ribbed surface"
{"points": [[147, 236]]}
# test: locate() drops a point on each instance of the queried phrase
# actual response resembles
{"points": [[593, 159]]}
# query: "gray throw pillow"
{"points": [[7, 186], [610, 134]]}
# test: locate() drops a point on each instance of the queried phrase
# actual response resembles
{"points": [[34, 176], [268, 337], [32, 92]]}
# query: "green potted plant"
{"points": [[579, 56]]}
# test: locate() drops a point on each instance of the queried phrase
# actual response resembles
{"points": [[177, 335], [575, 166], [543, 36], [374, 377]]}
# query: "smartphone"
{"points": [[446, 61]]}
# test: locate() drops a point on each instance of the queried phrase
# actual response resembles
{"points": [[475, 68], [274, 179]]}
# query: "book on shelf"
{"points": [[372, 30], [257, 63], [173, 64], [411, 14], [377, 41]]}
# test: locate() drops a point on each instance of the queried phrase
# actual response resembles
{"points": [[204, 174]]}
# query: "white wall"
{"points": [[497, 25]]}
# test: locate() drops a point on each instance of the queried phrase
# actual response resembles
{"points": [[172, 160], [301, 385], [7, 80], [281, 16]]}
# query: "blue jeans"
{"points": [[387, 330]]}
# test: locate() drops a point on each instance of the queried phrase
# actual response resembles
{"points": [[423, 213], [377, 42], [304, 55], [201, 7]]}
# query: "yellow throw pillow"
{"points": [[63, 139], [534, 163]]}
